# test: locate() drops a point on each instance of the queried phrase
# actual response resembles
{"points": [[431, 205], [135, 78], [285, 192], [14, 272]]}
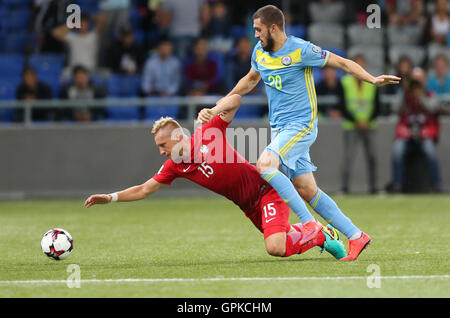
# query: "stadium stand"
{"points": [[327, 27]]}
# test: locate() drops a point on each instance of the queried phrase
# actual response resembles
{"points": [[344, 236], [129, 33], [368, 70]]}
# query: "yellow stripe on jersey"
{"points": [[313, 103], [273, 63], [313, 100]]}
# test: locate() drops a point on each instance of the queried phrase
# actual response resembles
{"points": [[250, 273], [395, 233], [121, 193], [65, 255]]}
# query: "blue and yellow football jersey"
{"points": [[289, 82]]}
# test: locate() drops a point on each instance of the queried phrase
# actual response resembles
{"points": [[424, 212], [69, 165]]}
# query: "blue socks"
{"points": [[328, 209], [288, 193]]}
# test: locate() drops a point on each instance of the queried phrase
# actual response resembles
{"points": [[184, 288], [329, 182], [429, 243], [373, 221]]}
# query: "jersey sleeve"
{"points": [[312, 55], [217, 122], [253, 60], [167, 173]]}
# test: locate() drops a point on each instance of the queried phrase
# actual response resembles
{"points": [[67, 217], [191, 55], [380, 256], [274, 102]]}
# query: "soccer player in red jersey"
{"points": [[208, 159]]}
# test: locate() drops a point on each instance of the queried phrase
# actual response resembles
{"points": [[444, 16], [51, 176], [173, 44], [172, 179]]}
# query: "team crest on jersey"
{"points": [[286, 60], [204, 149]]}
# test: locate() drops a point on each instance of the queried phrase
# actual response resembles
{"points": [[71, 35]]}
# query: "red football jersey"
{"points": [[218, 167]]}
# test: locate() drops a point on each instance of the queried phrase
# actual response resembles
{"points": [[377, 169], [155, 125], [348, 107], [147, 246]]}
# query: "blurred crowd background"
{"points": [[130, 48], [167, 48]]}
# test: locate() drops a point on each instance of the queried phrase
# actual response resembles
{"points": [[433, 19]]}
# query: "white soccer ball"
{"points": [[57, 244]]}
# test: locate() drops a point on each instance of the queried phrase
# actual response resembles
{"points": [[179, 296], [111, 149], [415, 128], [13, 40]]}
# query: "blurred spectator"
{"points": [[217, 27], [162, 72], [200, 68], [405, 12], [116, 15], [81, 88], [330, 85], [417, 129], [183, 21], [360, 111], [404, 69], [217, 23], [439, 83], [440, 23], [51, 14], [31, 88], [237, 65], [82, 45], [125, 55], [330, 11]]}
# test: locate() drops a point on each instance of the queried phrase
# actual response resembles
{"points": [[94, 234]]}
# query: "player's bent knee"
{"points": [[276, 244], [267, 161]]}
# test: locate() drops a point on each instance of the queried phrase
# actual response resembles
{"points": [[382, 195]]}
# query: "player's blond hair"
{"points": [[163, 122]]}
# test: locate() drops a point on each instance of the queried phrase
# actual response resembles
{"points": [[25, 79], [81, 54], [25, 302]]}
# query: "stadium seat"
{"points": [[329, 12], [16, 3], [407, 35], [135, 18], [238, 31], [11, 64], [13, 42], [47, 63], [361, 35], [247, 112], [326, 34], [120, 113], [139, 36], [219, 57], [17, 20], [414, 52], [156, 112], [374, 55], [123, 86], [297, 30], [8, 87], [51, 79], [88, 6]]}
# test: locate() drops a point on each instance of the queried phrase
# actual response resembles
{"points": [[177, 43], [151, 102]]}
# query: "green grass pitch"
{"points": [[214, 251]]}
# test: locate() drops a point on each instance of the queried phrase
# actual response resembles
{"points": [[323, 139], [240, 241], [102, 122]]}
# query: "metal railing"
{"points": [[190, 102]]}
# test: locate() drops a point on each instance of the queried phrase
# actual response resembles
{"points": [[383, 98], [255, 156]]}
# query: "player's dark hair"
{"points": [[270, 15]]}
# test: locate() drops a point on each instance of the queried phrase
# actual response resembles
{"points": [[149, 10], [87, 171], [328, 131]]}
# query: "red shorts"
{"points": [[271, 215]]}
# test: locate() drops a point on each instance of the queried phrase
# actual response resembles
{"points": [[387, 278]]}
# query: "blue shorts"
{"points": [[291, 145]]}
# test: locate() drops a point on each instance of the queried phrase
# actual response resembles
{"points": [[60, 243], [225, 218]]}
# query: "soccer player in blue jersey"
{"points": [[284, 64]]}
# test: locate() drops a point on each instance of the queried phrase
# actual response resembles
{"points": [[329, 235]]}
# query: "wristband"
{"points": [[114, 196]]}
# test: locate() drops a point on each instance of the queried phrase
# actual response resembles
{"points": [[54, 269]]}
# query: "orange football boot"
{"points": [[311, 229], [355, 247]]}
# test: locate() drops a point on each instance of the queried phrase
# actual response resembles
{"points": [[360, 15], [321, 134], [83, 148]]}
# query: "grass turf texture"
{"points": [[210, 238]]}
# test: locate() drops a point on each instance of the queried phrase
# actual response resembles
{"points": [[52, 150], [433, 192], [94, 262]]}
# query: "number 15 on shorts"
{"points": [[269, 211]]}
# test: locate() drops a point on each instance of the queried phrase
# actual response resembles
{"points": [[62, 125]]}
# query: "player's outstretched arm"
{"points": [[226, 107], [131, 194], [356, 70]]}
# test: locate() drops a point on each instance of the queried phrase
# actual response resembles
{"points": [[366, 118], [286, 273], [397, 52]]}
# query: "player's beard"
{"points": [[269, 43]]}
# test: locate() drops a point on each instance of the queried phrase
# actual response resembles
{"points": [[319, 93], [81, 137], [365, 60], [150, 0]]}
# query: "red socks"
{"points": [[292, 243], [293, 239]]}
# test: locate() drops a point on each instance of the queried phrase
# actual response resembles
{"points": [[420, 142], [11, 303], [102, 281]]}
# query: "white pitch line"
{"points": [[215, 279]]}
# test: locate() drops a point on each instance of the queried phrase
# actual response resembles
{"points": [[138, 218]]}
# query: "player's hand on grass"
{"points": [[97, 199], [205, 115], [386, 80]]}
